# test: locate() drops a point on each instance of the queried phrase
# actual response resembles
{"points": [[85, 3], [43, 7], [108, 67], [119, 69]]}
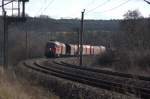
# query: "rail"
{"points": [[89, 80]]}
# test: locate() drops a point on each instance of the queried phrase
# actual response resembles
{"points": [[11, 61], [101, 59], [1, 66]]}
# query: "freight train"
{"points": [[58, 49]]}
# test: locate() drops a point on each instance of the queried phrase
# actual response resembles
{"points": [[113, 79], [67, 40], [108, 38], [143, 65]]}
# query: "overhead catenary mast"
{"points": [[147, 1], [81, 37], [7, 20]]}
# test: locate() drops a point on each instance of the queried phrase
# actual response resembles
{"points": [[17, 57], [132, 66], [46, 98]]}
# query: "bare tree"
{"points": [[133, 27], [135, 14]]}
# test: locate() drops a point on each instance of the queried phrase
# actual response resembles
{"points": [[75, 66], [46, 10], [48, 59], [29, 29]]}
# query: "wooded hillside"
{"points": [[110, 33]]}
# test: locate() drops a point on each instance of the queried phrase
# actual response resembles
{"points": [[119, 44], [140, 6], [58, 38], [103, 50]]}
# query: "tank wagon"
{"points": [[57, 49]]}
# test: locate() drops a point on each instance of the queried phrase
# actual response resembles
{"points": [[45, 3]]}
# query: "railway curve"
{"points": [[100, 79]]}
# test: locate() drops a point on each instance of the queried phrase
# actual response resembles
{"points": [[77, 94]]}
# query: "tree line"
{"points": [[130, 33]]}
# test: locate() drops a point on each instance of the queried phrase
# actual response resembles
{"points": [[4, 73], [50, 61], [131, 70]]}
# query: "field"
{"points": [[12, 88]]}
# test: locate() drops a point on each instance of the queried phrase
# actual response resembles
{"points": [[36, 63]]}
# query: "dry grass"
{"points": [[128, 61], [11, 88]]}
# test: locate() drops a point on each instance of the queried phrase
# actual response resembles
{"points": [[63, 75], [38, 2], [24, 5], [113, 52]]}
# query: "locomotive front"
{"points": [[50, 49], [55, 49]]}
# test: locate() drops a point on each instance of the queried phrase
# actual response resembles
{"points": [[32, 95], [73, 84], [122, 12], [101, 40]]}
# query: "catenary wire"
{"points": [[104, 3], [7, 3], [41, 8], [91, 3], [47, 6], [115, 7]]}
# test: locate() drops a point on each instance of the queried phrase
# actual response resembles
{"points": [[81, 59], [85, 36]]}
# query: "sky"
{"points": [[94, 9]]}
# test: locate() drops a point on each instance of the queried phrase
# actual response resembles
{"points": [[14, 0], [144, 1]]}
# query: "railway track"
{"points": [[92, 78], [100, 75], [108, 72]]}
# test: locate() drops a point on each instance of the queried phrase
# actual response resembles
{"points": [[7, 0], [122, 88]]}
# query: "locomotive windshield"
{"points": [[50, 45]]}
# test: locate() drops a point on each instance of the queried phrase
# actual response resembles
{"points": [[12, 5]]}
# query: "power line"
{"points": [[47, 6], [115, 7], [93, 1], [7, 3], [40, 10], [104, 3]]}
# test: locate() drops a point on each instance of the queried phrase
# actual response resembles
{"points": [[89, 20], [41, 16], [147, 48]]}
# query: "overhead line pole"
{"points": [[23, 8], [5, 40], [27, 49], [147, 1], [81, 37], [5, 30], [7, 20], [78, 38]]}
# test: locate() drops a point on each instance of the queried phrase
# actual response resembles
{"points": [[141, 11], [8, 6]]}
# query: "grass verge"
{"points": [[12, 88]]}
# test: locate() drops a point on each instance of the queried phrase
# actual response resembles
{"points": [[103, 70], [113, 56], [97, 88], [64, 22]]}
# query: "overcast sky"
{"points": [[94, 9]]}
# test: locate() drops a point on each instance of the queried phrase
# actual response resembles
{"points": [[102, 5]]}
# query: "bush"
{"points": [[132, 61], [107, 58]]}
